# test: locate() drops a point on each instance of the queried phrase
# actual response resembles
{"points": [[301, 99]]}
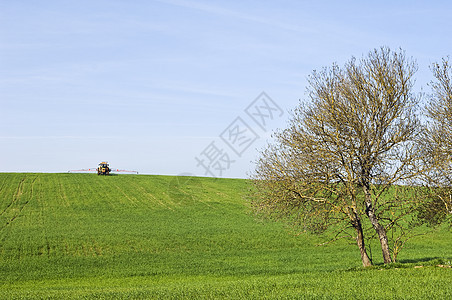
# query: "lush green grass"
{"points": [[82, 235]]}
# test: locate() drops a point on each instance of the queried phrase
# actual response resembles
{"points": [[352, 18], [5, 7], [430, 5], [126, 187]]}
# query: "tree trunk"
{"points": [[380, 230], [360, 242]]}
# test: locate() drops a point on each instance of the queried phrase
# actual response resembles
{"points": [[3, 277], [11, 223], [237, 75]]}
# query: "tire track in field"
{"points": [[134, 202], [16, 199], [191, 188], [3, 225], [15, 196], [29, 199], [3, 184], [150, 195], [188, 195], [62, 193], [45, 247]]}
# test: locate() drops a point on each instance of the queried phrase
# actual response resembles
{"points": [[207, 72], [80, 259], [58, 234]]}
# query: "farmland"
{"points": [[127, 236]]}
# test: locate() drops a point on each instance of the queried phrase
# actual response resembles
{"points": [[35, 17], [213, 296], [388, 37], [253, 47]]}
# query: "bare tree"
{"points": [[346, 152], [437, 144]]}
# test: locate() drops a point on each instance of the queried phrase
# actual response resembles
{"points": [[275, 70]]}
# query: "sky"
{"points": [[177, 87]]}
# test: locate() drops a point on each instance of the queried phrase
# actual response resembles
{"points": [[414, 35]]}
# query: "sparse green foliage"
{"points": [[437, 145]]}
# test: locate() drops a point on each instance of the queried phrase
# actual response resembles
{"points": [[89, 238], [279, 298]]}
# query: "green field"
{"points": [[162, 237]]}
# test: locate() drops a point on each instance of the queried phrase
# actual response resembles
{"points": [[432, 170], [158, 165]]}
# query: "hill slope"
{"points": [[83, 235]]}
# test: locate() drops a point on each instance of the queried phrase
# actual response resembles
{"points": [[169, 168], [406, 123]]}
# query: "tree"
{"points": [[348, 153], [437, 145]]}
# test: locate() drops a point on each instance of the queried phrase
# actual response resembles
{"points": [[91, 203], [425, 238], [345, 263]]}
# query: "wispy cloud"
{"points": [[222, 11]]}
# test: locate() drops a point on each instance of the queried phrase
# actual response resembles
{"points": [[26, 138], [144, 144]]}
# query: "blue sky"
{"points": [[150, 85]]}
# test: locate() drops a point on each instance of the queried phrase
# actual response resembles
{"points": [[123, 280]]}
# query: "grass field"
{"points": [[137, 236]]}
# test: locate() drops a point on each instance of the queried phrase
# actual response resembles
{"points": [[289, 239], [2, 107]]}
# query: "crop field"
{"points": [[162, 237]]}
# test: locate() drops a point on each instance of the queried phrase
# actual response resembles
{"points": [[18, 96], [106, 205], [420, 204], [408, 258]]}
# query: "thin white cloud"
{"points": [[239, 15]]}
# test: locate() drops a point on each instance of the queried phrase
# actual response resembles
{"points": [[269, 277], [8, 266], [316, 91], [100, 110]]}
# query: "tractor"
{"points": [[103, 169]]}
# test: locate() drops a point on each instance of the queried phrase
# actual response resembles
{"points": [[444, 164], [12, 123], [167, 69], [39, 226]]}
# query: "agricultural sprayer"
{"points": [[103, 169]]}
